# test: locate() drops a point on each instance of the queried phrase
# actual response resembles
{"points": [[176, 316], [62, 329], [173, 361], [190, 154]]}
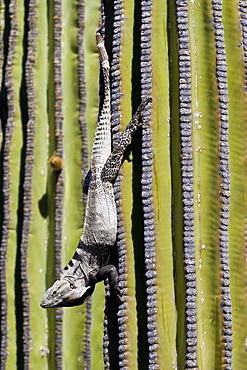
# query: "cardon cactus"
{"points": [[180, 195]]}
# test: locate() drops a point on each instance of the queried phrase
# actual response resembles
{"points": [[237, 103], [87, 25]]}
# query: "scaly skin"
{"points": [[89, 264]]}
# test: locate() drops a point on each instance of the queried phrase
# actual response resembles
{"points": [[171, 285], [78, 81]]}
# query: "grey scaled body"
{"points": [[89, 263]]}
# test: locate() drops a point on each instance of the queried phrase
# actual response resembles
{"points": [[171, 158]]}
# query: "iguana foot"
{"points": [[117, 293], [108, 272]]}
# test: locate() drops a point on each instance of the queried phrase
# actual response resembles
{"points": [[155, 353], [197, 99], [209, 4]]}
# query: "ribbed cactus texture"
{"points": [[181, 193]]}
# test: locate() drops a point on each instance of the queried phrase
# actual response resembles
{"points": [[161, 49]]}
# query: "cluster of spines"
{"points": [[147, 184], [115, 124], [187, 179], [59, 181], [87, 336], [27, 186], [106, 339], [115, 108], [82, 88], [1, 53], [243, 22], [221, 74], [7, 135]]}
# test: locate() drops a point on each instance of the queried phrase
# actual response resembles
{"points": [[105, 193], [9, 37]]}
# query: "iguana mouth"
{"points": [[69, 302]]}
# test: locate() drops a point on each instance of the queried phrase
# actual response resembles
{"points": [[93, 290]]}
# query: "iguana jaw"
{"points": [[64, 293]]}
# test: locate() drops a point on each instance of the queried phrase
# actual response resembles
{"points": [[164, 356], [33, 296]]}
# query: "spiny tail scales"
{"points": [[102, 139]]}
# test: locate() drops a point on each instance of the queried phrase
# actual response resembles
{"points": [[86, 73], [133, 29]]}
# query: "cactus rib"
{"points": [[146, 188], [187, 179], [221, 74], [28, 173], [7, 138], [82, 88], [59, 180], [115, 110]]}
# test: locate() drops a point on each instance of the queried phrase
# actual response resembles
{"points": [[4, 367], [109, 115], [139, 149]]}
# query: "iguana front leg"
{"points": [[114, 161], [107, 272]]}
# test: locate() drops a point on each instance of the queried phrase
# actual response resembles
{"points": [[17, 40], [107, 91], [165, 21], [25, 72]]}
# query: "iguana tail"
{"points": [[102, 139]]}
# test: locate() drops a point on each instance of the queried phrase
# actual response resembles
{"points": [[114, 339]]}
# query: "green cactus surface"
{"points": [[181, 193]]}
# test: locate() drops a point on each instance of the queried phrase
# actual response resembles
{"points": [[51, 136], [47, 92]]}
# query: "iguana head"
{"points": [[64, 293], [69, 290]]}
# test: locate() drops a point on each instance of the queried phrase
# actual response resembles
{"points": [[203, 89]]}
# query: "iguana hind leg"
{"points": [[107, 272], [114, 161], [86, 182]]}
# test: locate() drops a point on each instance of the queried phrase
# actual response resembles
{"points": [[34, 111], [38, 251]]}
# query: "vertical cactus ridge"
{"points": [[221, 73], [242, 6], [205, 141], [122, 53], [11, 164], [115, 78], [2, 25], [238, 229], [115, 66], [82, 90], [106, 339], [87, 338], [115, 111], [237, 167], [6, 184], [28, 177], [187, 180], [58, 91], [146, 188]]}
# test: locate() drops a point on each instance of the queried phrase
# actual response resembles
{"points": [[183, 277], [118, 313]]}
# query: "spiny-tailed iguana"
{"points": [[89, 263]]}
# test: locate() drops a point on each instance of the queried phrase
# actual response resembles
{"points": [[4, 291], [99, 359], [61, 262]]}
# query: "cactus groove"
{"points": [[221, 73]]}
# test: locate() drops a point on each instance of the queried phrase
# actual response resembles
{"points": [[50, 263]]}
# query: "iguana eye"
{"points": [[72, 286]]}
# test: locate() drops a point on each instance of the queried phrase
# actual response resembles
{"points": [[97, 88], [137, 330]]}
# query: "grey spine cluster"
{"points": [[221, 74], [187, 179], [147, 184]]}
